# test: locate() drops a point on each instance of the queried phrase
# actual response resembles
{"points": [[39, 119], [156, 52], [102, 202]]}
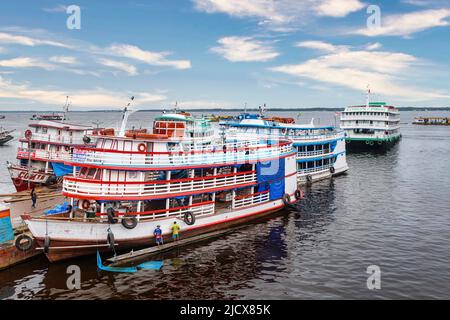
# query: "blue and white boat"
{"points": [[321, 150]]}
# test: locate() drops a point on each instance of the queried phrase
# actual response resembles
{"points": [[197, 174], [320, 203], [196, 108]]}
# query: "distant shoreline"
{"points": [[208, 111]]}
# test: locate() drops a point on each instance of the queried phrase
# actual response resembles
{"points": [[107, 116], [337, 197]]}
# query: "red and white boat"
{"points": [[44, 148], [132, 181]]}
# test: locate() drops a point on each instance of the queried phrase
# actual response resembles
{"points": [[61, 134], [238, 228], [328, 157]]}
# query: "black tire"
{"points": [[332, 170], [46, 244], [110, 240], [86, 139], [111, 216], [69, 208], [189, 218], [286, 200], [129, 222], [24, 246], [309, 179], [298, 194]]}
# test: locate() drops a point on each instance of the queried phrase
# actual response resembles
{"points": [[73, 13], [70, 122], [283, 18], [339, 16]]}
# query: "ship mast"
{"points": [[126, 113], [368, 97]]}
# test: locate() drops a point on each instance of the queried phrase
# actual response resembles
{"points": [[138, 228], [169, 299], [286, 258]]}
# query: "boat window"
{"points": [[91, 173], [44, 130], [98, 174]]}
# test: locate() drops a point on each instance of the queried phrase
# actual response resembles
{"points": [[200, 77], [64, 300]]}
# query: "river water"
{"points": [[391, 210]]}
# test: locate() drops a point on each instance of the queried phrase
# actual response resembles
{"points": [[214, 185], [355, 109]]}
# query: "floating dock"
{"points": [[11, 225], [148, 252]]}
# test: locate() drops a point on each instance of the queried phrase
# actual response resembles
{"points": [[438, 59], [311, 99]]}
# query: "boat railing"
{"points": [[171, 159], [65, 139], [76, 187], [251, 199], [306, 154], [197, 209], [302, 172], [25, 153], [303, 137]]}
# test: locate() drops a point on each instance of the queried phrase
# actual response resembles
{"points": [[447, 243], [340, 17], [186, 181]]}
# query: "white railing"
{"points": [[108, 158], [197, 211], [22, 153], [75, 187], [306, 154], [313, 170], [306, 137], [57, 138], [303, 137], [244, 201], [367, 117]]}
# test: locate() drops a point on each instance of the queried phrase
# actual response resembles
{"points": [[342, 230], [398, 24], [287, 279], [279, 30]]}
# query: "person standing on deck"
{"points": [[33, 198], [175, 231], [158, 235]]}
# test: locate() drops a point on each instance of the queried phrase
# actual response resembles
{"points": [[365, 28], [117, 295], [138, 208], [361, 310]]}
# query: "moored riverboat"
{"points": [[320, 150], [44, 148], [131, 182], [374, 125]]}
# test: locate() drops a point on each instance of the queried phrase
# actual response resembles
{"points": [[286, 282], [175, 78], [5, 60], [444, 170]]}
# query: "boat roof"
{"points": [[174, 117], [60, 125]]}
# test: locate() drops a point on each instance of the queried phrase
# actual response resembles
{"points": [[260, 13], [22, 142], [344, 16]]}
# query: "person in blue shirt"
{"points": [[158, 235]]}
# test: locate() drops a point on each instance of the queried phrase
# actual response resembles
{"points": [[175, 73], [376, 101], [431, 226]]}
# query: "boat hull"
{"points": [[371, 144], [24, 180], [142, 235], [6, 139]]}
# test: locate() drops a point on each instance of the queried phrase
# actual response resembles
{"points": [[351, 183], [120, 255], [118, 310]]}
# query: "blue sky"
{"points": [[223, 53]]}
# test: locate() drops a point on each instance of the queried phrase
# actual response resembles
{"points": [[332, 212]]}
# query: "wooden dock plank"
{"points": [[148, 252]]}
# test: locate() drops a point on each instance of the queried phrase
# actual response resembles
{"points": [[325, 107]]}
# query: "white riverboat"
{"points": [[375, 124], [131, 182], [44, 148], [320, 150]]}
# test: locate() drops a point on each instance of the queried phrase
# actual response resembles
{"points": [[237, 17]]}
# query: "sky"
{"points": [[223, 53]]}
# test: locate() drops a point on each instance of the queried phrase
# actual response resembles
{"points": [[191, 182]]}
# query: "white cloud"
{"points": [[28, 41], [407, 24], [128, 68], [57, 9], [63, 59], [373, 46], [384, 71], [320, 46], [26, 62], [149, 57], [338, 8], [277, 14], [246, 49], [80, 98]]}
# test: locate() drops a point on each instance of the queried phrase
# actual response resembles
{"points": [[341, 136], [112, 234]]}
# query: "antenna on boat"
{"points": [[126, 113], [66, 108], [368, 96]]}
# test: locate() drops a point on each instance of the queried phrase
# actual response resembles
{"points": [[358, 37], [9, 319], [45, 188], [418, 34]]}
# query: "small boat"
{"points": [[432, 121], [50, 117], [5, 136], [373, 125], [2, 117]]}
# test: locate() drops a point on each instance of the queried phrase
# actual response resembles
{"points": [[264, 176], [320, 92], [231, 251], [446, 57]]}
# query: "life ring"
{"points": [[189, 218], [46, 244], [111, 215], [67, 148], [129, 222], [286, 200], [283, 131], [309, 178], [110, 239], [24, 246], [332, 170], [85, 204], [298, 194], [142, 147]]}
